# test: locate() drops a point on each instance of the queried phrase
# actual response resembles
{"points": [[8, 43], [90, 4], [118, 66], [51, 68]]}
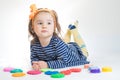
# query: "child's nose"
{"points": [[44, 26]]}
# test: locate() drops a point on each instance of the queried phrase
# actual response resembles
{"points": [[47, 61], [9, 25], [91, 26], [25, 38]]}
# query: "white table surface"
{"points": [[100, 61]]}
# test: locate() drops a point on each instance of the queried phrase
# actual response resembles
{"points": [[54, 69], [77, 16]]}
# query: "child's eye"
{"points": [[49, 23], [40, 23]]}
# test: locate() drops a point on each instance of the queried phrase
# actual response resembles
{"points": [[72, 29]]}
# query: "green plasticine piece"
{"points": [[46, 69], [59, 75], [16, 71]]}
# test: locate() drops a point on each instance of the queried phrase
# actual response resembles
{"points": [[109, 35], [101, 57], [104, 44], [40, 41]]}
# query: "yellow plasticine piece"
{"points": [[18, 74], [106, 69]]}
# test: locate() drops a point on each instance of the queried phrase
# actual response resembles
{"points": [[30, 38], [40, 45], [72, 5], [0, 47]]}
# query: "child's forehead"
{"points": [[43, 12], [44, 15], [40, 20]]}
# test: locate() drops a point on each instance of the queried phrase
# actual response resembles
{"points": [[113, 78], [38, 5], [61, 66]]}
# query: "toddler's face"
{"points": [[43, 25]]}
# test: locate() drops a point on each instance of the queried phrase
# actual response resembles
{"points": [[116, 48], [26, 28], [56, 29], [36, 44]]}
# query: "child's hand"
{"points": [[35, 65], [42, 64]]}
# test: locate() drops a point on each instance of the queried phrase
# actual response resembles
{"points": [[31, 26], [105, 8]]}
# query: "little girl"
{"points": [[48, 50]]}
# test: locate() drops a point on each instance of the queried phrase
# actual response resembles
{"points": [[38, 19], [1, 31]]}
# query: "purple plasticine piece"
{"points": [[94, 70]]}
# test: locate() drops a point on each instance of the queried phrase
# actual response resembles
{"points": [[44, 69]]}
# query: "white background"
{"points": [[99, 25]]}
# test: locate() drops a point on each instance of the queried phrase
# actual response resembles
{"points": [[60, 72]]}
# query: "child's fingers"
{"points": [[42, 64], [36, 67]]}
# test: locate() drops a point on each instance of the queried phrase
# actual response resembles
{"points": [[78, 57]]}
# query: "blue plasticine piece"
{"points": [[51, 72]]}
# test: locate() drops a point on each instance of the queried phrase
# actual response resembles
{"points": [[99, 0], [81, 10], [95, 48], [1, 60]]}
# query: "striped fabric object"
{"points": [[58, 54]]}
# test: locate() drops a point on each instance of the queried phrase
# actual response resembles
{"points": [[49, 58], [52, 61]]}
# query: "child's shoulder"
{"points": [[57, 39]]}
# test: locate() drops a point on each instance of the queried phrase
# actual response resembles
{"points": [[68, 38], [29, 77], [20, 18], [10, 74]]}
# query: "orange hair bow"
{"points": [[33, 11]]}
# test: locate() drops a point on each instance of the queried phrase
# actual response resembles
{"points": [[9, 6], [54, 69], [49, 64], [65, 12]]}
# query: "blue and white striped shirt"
{"points": [[58, 54]]}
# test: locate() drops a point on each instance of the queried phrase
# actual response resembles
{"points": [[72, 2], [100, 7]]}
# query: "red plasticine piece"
{"points": [[33, 72], [66, 72], [75, 70]]}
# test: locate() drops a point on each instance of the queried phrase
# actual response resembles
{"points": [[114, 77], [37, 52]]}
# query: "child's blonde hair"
{"points": [[32, 16]]}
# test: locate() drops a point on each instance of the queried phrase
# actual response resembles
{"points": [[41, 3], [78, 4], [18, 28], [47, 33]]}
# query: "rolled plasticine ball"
{"points": [[59, 75], [75, 70], [8, 69], [18, 74], [106, 69], [33, 72], [16, 71]]}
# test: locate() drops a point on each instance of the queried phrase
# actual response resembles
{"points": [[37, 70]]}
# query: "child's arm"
{"points": [[33, 56], [65, 57], [34, 59]]}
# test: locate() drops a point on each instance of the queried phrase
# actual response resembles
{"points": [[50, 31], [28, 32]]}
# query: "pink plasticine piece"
{"points": [[33, 72], [8, 69]]}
